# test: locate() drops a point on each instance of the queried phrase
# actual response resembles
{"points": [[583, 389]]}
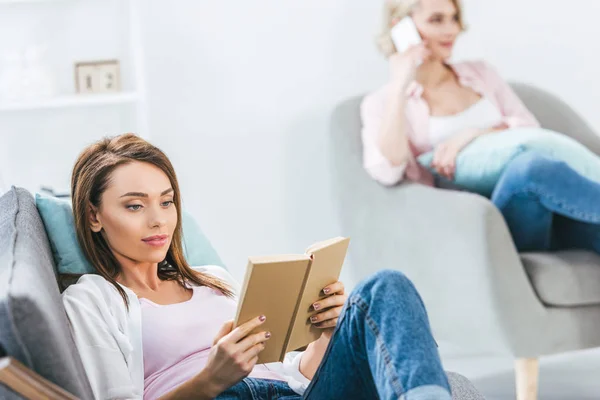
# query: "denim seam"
{"points": [[390, 370], [560, 203], [317, 375], [253, 392]]}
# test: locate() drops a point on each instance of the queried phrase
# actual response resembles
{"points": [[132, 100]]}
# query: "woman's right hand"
{"points": [[234, 354], [403, 66]]}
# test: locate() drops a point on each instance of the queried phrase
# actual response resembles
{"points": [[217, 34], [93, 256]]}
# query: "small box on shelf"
{"points": [[97, 76]]}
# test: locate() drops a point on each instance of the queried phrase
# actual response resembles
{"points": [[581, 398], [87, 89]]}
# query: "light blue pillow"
{"points": [[60, 228], [480, 165]]}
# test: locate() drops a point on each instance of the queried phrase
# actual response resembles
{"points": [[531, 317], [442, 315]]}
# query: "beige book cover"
{"points": [[283, 288]]}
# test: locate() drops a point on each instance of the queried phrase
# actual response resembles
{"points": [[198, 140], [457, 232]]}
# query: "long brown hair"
{"points": [[91, 175]]}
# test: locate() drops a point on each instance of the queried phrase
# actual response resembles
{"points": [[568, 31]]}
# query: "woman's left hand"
{"points": [[445, 154], [328, 309]]}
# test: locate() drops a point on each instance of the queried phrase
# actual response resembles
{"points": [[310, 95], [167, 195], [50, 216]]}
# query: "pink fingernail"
{"points": [[316, 306], [268, 335], [326, 290], [313, 319], [262, 318]]}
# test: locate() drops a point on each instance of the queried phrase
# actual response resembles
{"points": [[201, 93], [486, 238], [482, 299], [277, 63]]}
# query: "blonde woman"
{"points": [[431, 103], [148, 325]]}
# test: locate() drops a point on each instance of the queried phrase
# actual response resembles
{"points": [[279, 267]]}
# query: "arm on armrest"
{"points": [[28, 383], [456, 248]]}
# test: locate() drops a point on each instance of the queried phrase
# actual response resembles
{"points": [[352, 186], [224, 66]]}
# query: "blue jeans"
{"points": [[548, 206], [382, 348]]}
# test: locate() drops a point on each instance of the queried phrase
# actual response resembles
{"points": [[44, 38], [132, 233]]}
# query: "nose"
{"points": [[451, 29], [157, 217]]}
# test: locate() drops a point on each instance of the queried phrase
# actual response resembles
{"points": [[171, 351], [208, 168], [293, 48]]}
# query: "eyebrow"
{"points": [[140, 194]]}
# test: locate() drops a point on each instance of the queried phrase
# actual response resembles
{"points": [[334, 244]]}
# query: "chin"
{"points": [[156, 257], [443, 55]]}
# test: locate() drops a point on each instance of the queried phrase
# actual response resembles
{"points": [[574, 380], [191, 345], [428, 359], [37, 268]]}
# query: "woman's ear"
{"points": [[94, 218]]}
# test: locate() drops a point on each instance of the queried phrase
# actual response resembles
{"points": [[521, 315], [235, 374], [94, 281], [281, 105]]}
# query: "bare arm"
{"points": [[446, 153], [231, 359], [312, 357], [393, 141]]}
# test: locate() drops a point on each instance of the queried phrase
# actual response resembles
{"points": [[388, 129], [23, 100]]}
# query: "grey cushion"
{"points": [[33, 324], [462, 388], [565, 278]]}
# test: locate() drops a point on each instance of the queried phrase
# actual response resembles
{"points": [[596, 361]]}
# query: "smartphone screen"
{"points": [[405, 34]]}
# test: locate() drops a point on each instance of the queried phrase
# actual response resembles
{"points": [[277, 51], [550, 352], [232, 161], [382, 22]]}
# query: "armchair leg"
{"points": [[527, 373]]}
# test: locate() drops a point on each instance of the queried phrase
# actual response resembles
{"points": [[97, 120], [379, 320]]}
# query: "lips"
{"points": [[156, 240]]}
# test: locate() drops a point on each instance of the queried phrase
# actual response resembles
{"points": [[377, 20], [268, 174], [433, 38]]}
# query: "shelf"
{"points": [[30, 1], [72, 101]]}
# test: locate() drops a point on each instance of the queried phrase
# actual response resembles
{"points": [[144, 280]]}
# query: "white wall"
{"points": [[550, 43], [241, 92], [240, 97]]}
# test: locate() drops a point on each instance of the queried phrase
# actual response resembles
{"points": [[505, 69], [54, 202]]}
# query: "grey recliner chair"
{"points": [[479, 291]]}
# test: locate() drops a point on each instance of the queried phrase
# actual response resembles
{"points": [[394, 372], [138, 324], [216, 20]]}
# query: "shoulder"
{"points": [[374, 101], [92, 292], [218, 272], [87, 284]]}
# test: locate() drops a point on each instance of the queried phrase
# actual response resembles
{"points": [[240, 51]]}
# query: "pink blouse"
{"points": [[479, 76]]}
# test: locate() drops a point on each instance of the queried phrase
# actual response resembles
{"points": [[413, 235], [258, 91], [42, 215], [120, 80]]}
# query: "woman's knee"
{"points": [[525, 173], [531, 165], [386, 282]]}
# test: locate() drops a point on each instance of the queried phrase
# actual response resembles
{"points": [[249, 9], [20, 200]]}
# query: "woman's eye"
{"points": [[134, 207], [167, 203]]}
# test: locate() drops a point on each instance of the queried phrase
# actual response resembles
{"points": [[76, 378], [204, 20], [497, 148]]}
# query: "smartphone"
{"points": [[405, 34]]}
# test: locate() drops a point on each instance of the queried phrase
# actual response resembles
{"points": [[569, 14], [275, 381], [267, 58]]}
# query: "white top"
{"points": [[109, 339], [481, 115]]}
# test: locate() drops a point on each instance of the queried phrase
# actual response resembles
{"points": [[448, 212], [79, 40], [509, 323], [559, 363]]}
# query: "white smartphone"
{"points": [[405, 34]]}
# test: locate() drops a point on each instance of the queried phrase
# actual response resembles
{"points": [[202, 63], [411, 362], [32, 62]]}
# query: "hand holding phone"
{"points": [[411, 52], [405, 34]]}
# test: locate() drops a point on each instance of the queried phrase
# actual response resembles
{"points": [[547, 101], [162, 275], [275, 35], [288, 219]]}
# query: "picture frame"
{"points": [[102, 76]]}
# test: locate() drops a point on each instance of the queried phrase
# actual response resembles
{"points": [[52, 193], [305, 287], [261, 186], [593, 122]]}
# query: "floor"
{"points": [[572, 376]]}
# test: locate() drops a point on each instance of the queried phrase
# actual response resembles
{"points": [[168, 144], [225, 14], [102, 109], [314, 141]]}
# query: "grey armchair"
{"points": [[455, 246]]}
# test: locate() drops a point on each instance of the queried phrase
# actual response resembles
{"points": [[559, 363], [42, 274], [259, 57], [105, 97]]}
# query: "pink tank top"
{"points": [[177, 338]]}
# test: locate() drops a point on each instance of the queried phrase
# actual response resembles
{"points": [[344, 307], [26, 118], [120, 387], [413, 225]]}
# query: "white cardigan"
{"points": [[109, 339]]}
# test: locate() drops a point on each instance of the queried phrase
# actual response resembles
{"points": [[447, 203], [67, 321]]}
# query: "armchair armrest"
{"points": [[28, 383], [456, 248]]}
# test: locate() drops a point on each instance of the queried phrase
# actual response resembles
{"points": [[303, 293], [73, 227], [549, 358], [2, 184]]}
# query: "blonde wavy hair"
{"points": [[396, 10]]}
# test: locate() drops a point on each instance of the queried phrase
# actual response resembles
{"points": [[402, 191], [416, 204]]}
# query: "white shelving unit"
{"points": [[72, 101], [29, 1], [134, 98]]}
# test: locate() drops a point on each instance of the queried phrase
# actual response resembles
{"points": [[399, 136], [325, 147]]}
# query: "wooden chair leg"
{"points": [[527, 375]]}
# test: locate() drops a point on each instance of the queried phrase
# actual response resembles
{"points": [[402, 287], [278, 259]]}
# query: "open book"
{"points": [[283, 288]]}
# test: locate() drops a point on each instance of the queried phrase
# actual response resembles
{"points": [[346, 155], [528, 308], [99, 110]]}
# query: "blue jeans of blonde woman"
{"points": [[548, 206], [381, 348]]}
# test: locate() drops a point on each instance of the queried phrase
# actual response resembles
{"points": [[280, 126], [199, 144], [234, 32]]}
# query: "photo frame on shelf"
{"points": [[102, 76]]}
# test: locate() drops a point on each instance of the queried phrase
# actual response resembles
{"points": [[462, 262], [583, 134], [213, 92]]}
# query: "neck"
{"points": [[138, 276], [431, 74]]}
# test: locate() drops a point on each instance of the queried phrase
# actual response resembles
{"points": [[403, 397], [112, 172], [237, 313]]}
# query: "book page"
{"points": [[327, 260], [272, 286]]}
